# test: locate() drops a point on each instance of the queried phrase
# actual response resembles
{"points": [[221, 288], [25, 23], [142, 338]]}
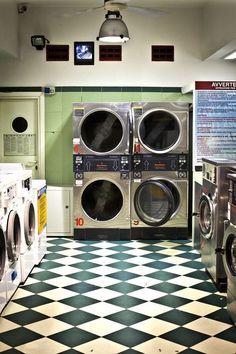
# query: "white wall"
{"points": [[8, 29], [181, 28]]}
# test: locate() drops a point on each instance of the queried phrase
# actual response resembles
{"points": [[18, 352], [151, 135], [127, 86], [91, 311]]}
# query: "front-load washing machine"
{"points": [[160, 127], [101, 128], [40, 204], [229, 249], [3, 259], [212, 212], [102, 197], [11, 227], [27, 216], [159, 197]]}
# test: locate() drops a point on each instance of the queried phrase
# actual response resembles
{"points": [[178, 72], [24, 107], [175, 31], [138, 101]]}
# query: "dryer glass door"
{"points": [[102, 200], [101, 131], [156, 201], [29, 223], [230, 251], [206, 216], [2, 253], [160, 131], [13, 236]]}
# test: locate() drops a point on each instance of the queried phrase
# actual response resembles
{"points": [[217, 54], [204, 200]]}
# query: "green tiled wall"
{"points": [[58, 121]]}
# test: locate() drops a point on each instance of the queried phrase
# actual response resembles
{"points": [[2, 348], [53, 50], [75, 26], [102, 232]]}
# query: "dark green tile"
{"points": [[86, 256], [32, 301], [91, 88], [111, 89], [83, 275], [191, 351], [229, 335], [125, 301], [71, 351], [199, 274], [129, 337], [26, 317], [73, 337], [184, 336], [160, 265], [56, 248], [177, 317], [123, 275], [127, 318], [85, 265], [11, 351], [120, 248], [152, 248], [49, 265], [172, 301], [81, 288], [166, 287], [87, 248], [44, 275], [155, 256], [162, 275], [78, 301], [124, 287], [193, 264], [58, 241], [130, 351], [19, 336], [53, 256], [215, 300], [206, 286], [220, 315], [185, 248], [131, 89], [76, 317], [122, 265], [189, 255], [38, 287], [121, 256]]}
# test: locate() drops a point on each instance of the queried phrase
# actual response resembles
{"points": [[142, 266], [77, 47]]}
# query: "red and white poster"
{"points": [[214, 126]]}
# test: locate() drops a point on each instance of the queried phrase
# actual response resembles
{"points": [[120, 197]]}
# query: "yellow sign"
{"points": [[42, 211]]}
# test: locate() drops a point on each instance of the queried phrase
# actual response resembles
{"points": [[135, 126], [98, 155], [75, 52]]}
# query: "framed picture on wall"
{"points": [[83, 53]]}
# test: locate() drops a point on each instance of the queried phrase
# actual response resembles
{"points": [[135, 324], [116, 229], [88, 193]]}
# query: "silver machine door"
{"points": [[13, 236], [206, 216], [29, 223], [2, 253], [230, 253], [156, 201]]}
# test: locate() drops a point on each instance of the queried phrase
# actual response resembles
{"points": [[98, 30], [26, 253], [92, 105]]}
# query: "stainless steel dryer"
{"points": [[101, 128], [160, 127], [102, 197], [159, 197], [229, 250], [212, 214]]}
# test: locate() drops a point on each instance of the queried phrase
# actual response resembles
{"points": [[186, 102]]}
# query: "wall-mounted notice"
{"points": [[214, 132], [19, 144]]}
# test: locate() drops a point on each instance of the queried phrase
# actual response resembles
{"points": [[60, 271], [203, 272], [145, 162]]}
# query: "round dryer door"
{"points": [[206, 216], [2, 253], [159, 131], [29, 223], [13, 236], [102, 200], [230, 253], [156, 201], [102, 131]]}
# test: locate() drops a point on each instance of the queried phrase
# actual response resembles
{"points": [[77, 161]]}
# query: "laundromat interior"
{"points": [[118, 176]]}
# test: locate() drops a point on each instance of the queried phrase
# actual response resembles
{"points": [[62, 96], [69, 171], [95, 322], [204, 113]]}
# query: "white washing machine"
{"points": [[3, 258], [102, 197], [160, 127], [101, 128], [229, 249], [27, 216], [11, 227], [159, 197], [40, 204]]}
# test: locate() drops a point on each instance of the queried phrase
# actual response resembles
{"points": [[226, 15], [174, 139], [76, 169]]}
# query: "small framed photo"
{"points": [[83, 53]]}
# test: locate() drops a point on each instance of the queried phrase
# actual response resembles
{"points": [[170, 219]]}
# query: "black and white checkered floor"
{"points": [[118, 297]]}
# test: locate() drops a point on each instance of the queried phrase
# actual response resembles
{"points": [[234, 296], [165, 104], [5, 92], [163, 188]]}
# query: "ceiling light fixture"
{"points": [[231, 56], [113, 29]]}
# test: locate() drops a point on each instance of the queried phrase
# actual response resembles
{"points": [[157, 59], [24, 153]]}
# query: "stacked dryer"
{"points": [[159, 188], [101, 140]]}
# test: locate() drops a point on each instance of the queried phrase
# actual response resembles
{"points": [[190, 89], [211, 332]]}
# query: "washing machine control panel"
{"points": [[111, 163], [209, 172], [232, 188], [150, 162]]}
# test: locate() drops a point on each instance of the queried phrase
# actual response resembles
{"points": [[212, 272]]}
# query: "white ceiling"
{"points": [[155, 4]]}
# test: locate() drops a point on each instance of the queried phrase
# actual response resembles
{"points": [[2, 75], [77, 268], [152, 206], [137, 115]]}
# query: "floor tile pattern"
{"points": [[118, 297]]}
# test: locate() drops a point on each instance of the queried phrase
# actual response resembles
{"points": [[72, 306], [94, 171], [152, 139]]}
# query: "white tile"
{"points": [[184, 281], [6, 325], [104, 260], [103, 294], [70, 252], [102, 309], [144, 281], [53, 309], [207, 326], [159, 345], [170, 252], [101, 327], [150, 309], [62, 281], [137, 252], [12, 308], [65, 270], [147, 294], [139, 260], [103, 270], [101, 346], [68, 260], [103, 281], [103, 252], [141, 270], [215, 346], [191, 294], [167, 244], [175, 260], [180, 270], [58, 294], [48, 327], [154, 326], [20, 293], [198, 308], [4, 347], [43, 345]]}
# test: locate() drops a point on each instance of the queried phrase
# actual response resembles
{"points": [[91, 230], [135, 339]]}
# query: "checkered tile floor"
{"points": [[117, 297]]}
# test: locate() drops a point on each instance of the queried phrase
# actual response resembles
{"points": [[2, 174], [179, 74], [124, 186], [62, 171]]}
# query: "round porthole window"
{"points": [[19, 124]]}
